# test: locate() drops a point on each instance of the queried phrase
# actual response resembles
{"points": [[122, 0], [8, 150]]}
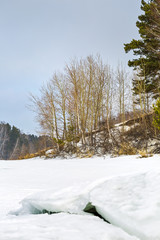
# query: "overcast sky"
{"points": [[37, 38]]}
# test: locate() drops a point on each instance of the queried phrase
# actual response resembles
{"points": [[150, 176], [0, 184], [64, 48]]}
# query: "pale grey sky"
{"points": [[37, 38]]}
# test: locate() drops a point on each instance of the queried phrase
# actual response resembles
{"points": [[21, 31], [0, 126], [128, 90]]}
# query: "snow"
{"points": [[132, 203], [125, 191], [60, 227], [70, 200], [124, 127]]}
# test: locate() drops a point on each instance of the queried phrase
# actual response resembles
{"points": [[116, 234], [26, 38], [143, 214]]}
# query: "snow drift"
{"points": [[129, 202], [60, 226]]}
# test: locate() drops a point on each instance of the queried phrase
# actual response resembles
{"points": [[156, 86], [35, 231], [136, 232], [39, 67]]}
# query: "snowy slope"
{"points": [[68, 185]]}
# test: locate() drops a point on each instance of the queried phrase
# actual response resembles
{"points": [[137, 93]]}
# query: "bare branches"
{"points": [[76, 102]]}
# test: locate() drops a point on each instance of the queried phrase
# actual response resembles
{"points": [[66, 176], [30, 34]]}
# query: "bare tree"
{"points": [[76, 102], [121, 79], [59, 84]]}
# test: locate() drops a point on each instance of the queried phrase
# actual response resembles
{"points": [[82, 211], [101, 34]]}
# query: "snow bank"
{"points": [[132, 203], [129, 202], [60, 226], [70, 200], [73, 199]]}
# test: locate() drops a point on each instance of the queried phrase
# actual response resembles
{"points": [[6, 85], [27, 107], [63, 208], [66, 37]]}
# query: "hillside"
{"points": [[131, 137], [14, 144], [134, 136]]}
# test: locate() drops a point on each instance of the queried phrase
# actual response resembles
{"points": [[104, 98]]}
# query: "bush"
{"points": [[85, 154], [143, 154], [126, 149], [156, 118]]}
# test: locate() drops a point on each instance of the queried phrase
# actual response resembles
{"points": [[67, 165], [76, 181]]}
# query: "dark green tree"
{"points": [[156, 118], [13, 136], [147, 48]]}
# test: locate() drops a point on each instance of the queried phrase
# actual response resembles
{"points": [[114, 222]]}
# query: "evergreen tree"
{"points": [[147, 48], [156, 119], [13, 136]]}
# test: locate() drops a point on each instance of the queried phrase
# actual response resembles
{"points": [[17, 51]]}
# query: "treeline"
{"points": [[14, 144]]}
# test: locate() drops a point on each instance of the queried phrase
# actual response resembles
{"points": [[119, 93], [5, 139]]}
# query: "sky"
{"points": [[38, 37]]}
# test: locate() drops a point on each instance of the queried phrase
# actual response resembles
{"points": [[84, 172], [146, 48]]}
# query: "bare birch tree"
{"points": [[76, 102]]}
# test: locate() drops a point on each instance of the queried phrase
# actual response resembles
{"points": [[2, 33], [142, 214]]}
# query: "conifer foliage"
{"points": [[156, 120], [147, 48], [14, 144]]}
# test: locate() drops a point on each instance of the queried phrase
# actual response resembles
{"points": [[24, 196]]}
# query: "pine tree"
{"points": [[156, 119], [147, 48]]}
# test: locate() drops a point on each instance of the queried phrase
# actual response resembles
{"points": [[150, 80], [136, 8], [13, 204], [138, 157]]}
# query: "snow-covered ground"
{"points": [[125, 191]]}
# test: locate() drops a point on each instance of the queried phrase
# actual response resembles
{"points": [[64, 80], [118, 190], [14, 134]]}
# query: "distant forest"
{"points": [[14, 144]]}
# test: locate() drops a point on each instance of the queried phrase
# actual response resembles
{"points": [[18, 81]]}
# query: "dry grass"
{"points": [[143, 154], [33, 155], [126, 149]]}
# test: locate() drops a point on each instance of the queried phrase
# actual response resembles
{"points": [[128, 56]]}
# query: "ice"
{"points": [[60, 227], [132, 203], [70, 200], [132, 200]]}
